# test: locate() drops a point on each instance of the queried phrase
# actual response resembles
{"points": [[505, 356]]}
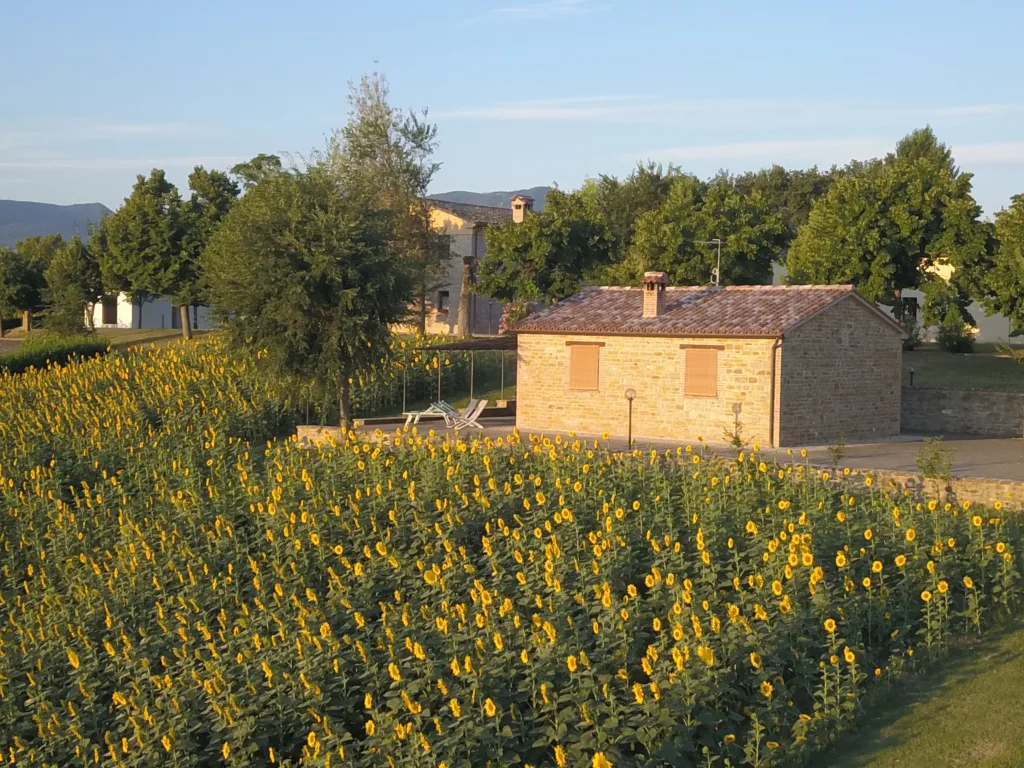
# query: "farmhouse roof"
{"points": [[482, 214], [741, 310]]}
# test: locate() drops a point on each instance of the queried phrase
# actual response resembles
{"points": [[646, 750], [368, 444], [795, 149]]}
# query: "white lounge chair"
{"points": [[435, 411], [470, 418]]}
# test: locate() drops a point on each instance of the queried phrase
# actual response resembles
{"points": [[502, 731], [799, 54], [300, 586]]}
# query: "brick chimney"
{"points": [[654, 293], [520, 205]]}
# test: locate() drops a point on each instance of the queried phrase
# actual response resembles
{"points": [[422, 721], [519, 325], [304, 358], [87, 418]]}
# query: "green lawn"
{"points": [[966, 712], [984, 369], [123, 338]]}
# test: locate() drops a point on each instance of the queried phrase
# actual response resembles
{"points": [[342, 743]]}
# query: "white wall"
{"points": [[156, 313]]}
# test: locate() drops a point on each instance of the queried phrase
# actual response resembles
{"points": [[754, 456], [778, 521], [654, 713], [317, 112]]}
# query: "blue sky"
{"points": [[525, 92]]}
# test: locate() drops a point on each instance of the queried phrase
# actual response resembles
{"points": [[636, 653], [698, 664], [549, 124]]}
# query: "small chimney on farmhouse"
{"points": [[520, 205], [654, 293]]}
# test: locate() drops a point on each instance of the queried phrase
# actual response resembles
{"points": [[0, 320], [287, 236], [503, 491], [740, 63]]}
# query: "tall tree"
{"points": [[35, 254], [303, 267], [213, 194], [897, 224], [73, 286], [620, 203], [389, 154], [546, 257], [669, 239], [252, 172], [141, 251], [13, 285], [788, 193], [1004, 284]]}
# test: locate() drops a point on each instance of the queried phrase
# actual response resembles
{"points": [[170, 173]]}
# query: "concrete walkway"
{"points": [[972, 457]]}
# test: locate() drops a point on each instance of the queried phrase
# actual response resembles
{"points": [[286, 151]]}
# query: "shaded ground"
{"points": [[964, 713], [983, 369]]}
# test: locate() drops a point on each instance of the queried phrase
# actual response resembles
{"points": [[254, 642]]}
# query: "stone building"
{"points": [[783, 365], [464, 224]]}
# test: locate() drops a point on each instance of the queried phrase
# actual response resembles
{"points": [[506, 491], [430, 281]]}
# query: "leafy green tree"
{"points": [[619, 203], [213, 194], [548, 256], [667, 239], [73, 286], [1004, 284], [389, 155], [12, 285], [304, 267], [252, 172], [34, 255], [891, 225], [141, 249], [790, 193]]}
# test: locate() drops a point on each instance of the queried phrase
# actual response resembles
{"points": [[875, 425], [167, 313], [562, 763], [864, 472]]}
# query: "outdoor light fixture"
{"points": [[630, 394]]}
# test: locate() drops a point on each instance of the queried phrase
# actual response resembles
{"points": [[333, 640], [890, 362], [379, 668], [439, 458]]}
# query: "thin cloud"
{"points": [[826, 151], [141, 165], [539, 11], [647, 110], [1001, 153], [103, 128]]}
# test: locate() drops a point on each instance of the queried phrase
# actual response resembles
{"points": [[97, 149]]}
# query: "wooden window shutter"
{"points": [[701, 372], [584, 366]]}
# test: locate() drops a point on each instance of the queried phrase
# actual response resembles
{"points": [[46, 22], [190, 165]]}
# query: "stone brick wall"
{"points": [[983, 412], [977, 490], [841, 375], [655, 368]]}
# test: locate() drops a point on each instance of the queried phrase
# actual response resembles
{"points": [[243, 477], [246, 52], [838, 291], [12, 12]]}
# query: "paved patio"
{"points": [[972, 457]]}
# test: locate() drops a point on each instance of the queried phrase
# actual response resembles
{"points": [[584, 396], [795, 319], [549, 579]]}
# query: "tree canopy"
{"points": [[546, 257], [73, 286], [140, 245], [303, 267], [669, 238], [1004, 283], [388, 155], [894, 225], [252, 172]]}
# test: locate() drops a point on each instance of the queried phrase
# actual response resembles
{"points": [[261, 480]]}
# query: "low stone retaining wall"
{"points": [[982, 412], [977, 490]]}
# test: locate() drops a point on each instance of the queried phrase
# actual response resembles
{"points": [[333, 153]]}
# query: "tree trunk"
{"points": [[897, 305], [138, 303], [26, 320], [346, 404], [1, 326], [422, 320], [465, 297], [90, 317], [186, 322]]}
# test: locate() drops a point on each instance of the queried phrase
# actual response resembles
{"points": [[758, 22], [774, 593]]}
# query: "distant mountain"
{"points": [[495, 199], [19, 220]]}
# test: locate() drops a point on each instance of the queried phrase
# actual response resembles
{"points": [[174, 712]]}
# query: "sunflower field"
{"points": [[184, 586]]}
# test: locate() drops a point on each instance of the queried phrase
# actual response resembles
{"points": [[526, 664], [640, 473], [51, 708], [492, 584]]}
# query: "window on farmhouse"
{"points": [[584, 366], [442, 301], [701, 372]]}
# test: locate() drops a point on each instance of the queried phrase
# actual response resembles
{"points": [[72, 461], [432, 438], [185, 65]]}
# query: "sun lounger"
{"points": [[470, 417], [435, 411]]}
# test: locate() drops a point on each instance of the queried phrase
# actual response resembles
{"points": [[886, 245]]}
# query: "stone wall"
{"points": [[977, 490], [655, 368], [982, 412], [841, 377]]}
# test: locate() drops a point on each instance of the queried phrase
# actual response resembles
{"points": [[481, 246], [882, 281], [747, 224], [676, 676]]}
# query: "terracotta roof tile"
{"points": [[484, 214], [742, 310]]}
